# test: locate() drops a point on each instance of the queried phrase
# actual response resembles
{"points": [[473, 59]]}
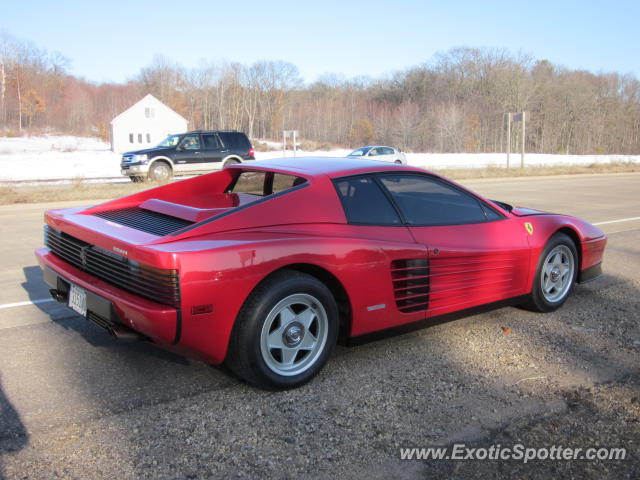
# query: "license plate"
{"points": [[78, 300]]}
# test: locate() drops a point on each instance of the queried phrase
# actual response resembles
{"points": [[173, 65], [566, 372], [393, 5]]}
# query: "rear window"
{"points": [[264, 183], [235, 140]]}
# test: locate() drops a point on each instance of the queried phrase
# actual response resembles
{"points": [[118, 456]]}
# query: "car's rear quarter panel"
{"points": [[226, 273]]}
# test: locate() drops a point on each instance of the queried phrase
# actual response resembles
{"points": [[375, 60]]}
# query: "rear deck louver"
{"points": [[411, 284], [157, 284], [145, 220]]}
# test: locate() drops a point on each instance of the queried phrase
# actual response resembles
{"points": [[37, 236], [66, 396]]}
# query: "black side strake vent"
{"points": [[145, 220], [411, 284]]}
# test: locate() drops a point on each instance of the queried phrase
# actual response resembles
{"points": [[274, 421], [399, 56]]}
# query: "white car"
{"points": [[381, 153]]}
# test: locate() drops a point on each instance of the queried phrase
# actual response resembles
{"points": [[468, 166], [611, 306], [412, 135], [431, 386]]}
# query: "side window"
{"points": [[190, 142], [210, 141], [490, 213], [365, 202], [131, 138], [148, 138], [249, 182], [387, 151], [235, 140], [139, 138], [282, 182], [263, 183], [428, 201], [374, 152]]}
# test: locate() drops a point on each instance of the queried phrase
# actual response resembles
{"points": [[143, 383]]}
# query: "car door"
{"points": [[187, 157], [386, 154], [390, 290], [212, 151], [374, 153], [476, 255]]}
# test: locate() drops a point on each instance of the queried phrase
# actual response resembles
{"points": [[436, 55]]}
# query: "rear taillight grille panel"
{"points": [[159, 285], [145, 220], [411, 285]]}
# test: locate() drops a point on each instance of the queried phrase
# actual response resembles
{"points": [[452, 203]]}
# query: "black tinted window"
{"points": [[235, 140], [210, 141], [365, 202], [428, 201]]}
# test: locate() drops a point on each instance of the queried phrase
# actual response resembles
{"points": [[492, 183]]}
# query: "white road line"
{"points": [[630, 219], [31, 302]]}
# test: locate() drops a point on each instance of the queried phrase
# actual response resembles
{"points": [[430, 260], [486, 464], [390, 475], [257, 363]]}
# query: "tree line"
{"points": [[453, 103]]}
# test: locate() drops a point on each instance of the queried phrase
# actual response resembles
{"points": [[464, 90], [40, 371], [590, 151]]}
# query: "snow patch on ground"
{"points": [[56, 157]]}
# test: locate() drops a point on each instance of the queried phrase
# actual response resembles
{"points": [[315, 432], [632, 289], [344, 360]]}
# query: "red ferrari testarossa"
{"points": [[265, 266]]}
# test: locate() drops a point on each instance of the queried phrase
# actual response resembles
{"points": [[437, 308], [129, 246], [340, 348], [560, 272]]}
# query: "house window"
{"points": [[131, 138], [139, 138], [149, 112], [148, 138]]}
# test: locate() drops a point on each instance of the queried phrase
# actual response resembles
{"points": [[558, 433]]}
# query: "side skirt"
{"points": [[428, 322]]}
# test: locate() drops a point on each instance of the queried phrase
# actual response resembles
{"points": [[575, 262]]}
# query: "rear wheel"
{"points": [[555, 275], [160, 172], [230, 162], [285, 332], [398, 162]]}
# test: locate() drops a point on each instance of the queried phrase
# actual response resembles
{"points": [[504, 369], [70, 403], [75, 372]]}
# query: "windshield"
{"points": [[170, 141], [360, 152]]}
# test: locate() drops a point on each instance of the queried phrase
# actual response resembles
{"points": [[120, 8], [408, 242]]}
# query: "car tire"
{"points": [[285, 332], [230, 162], [556, 274], [399, 162], [160, 172]]}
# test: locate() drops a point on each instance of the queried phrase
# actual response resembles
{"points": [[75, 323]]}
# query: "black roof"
{"points": [[211, 131]]}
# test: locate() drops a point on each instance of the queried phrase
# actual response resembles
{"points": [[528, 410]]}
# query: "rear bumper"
{"points": [[159, 322]]}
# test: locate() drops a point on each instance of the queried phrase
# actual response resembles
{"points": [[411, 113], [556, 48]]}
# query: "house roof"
{"points": [[149, 100]]}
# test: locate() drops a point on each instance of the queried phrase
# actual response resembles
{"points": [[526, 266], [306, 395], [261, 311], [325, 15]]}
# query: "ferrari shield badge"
{"points": [[528, 227]]}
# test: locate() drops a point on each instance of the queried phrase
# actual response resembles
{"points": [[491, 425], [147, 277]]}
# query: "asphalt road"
{"points": [[75, 403]]}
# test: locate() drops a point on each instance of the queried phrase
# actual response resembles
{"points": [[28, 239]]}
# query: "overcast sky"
{"points": [[111, 40]]}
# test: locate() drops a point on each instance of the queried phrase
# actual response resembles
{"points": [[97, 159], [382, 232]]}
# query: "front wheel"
{"points": [[285, 332], [160, 172], [555, 275]]}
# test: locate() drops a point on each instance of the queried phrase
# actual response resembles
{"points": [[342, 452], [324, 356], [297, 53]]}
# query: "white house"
{"points": [[144, 125]]}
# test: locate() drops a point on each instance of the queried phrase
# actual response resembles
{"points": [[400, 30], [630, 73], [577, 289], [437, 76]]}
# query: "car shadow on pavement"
{"points": [[13, 434]]}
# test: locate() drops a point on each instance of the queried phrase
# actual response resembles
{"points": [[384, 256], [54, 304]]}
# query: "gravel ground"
{"points": [[567, 378]]}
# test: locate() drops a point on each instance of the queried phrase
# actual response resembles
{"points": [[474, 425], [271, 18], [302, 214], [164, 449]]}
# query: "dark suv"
{"points": [[187, 153]]}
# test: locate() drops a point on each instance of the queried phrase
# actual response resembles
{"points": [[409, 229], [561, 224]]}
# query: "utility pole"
{"points": [[524, 121], [508, 137]]}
